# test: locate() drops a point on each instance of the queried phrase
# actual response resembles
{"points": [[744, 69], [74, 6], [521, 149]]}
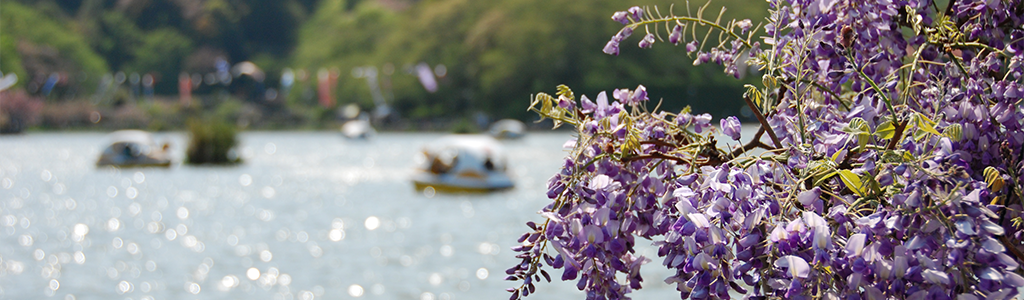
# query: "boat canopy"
{"points": [[458, 152], [132, 136]]}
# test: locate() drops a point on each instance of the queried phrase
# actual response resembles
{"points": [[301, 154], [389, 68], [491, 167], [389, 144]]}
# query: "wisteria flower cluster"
{"points": [[888, 164]]}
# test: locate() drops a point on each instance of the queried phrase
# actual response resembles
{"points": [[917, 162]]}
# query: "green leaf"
{"points": [[859, 129], [852, 182], [753, 93], [954, 132], [835, 156], [820, 170], [886, 130], [926, 124], [821, 180], [858, 125], [871, 186]]}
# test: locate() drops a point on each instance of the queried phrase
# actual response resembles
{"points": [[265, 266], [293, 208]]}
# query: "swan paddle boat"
{"points": [[134, 148], [507, 129], [463, 163], [359, 129]]}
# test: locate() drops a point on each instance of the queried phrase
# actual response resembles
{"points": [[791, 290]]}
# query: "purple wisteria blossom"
{"points": [[636, 13], [691, 46], [621, 17], [676, 36], [611, 48], [701, 122], [638, 95], [888, 164], [648, 41], [731, 127]]}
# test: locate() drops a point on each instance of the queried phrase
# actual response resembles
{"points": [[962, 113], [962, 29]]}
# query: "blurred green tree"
{"points": [[34, 45], [162, 52], [496, 52]]}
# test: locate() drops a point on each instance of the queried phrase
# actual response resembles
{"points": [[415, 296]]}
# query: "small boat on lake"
{"points": [[358, 129], [507, 129], [134, 148], [463, 163]]}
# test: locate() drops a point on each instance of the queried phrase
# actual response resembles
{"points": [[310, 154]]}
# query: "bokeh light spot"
{"points": [[355, 290]]}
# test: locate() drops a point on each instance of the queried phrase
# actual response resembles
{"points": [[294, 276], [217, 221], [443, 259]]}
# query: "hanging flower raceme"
{"points": [[887, 163]]}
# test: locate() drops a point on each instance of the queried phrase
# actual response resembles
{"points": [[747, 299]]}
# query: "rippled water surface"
{"points": [[308, 216]]}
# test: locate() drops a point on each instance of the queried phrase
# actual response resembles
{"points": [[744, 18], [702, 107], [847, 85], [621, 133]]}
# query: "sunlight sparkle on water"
{"points": [[283, 210], [252, 273], [133, 248], [134, 209], [355, 290], [268, 192], [79, 232], [124, 287], [194, 288], [245, 180], [228, 282], [372, 223], [113, 224], [25, 240], [336, 235]]}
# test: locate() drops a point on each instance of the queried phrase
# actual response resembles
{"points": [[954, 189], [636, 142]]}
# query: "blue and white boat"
{"points": [[134, 148], [463, 163], [507, 129]]}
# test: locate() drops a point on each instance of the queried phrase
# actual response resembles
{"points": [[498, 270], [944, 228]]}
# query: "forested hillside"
{"points": [[486, 56]]}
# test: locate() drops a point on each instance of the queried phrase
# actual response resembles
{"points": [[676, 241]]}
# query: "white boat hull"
{"points": [[494, 181]]}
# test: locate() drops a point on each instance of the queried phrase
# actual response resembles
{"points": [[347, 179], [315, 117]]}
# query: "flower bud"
{"points": [[636, 13], [612, 48], [691, 46], [676, 36], [621, 17], [648, 41], [640, 94], [744, 25], [731, 127], [623, 34]]}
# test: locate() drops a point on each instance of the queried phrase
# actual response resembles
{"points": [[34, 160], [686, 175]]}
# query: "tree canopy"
{"points": [[487, 56], [496, 52]]}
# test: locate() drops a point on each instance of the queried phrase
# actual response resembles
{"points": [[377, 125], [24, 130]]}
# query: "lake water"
{"points": [[309, 215]]}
